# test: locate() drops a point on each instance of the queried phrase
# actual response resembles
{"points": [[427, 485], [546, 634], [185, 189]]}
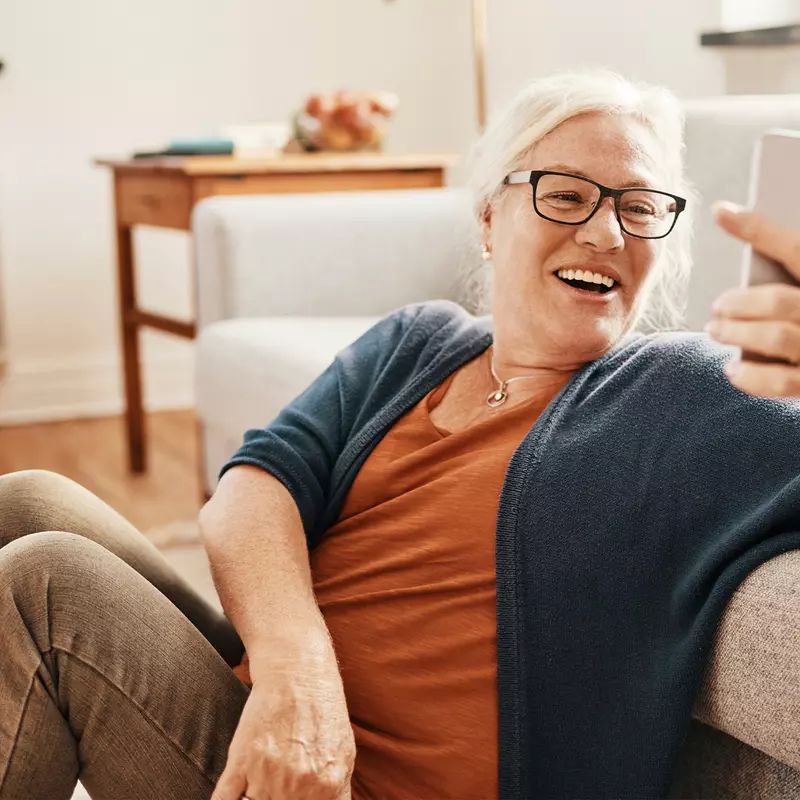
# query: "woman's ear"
{"points": [[486, 229]]}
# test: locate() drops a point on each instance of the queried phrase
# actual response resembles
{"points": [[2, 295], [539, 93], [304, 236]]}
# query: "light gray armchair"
{"points": [[287, 281]]}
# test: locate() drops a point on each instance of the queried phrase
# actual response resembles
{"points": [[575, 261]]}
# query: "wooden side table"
{"points": [[162, 192]]}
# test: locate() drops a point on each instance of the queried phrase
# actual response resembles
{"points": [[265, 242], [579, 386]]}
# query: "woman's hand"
{"points": [[761, 319], [294, 738]]}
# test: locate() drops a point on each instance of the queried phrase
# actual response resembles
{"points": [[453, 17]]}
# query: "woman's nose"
{"points": [[602, 231]]}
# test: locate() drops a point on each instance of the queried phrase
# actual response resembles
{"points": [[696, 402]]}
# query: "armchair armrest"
{"points": [[751, 687]]}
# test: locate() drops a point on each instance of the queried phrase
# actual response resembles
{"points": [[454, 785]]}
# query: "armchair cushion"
{"points": [[248, 369]]}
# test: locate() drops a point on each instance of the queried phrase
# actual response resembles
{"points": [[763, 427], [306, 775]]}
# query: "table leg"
{"points": [[134, 412], [205, 494]]}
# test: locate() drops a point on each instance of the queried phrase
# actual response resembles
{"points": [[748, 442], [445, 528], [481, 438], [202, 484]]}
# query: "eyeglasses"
{"points": [[570, 200]]}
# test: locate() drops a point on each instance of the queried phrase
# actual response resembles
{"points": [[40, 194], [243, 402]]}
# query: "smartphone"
{"points": [[774, 193]]}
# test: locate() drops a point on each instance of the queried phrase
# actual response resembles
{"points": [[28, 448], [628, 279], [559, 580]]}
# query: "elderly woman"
{"points": [[477, 557]]}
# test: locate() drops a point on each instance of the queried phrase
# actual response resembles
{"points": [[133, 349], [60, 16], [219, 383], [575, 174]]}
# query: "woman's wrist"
{"points": [[307, 642]]}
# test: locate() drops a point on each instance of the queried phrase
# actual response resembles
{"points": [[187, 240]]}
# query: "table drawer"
{"points": [[311, 182], [161, 200]]}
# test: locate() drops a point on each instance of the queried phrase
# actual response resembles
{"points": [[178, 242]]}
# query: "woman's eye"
{"points": [[640, 209], [569, 197]]}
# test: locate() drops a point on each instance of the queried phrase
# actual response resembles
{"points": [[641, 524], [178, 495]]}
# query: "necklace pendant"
{"points": [[496, 398]]}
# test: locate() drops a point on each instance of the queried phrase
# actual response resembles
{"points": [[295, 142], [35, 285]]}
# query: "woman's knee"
{"points": [[27, 568], [55, 574], [46, 555], [31, 501], [66, 593]]}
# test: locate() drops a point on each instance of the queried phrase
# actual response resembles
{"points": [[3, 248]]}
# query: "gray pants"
{"points": [[112, 668]]}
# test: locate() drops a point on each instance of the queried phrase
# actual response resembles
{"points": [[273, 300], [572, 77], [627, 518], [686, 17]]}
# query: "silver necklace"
{"points": [[500, 394]]}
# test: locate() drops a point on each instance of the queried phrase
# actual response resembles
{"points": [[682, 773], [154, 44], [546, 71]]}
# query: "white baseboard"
{"points": [[46, 390]]}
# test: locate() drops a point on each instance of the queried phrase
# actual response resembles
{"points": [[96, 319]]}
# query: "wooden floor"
{"points": [[93, 453]]}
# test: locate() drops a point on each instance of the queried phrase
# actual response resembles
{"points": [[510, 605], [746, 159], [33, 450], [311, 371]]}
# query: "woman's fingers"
{"points": [[767, 380], [761, 319], [769, 301], [773, 339], [767, 237]]}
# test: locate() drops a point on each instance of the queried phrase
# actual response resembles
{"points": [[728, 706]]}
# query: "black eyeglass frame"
{"points": [[533, 176]]}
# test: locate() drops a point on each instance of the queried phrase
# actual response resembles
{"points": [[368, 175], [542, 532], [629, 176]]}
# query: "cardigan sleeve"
{"points": [[301, 446]]}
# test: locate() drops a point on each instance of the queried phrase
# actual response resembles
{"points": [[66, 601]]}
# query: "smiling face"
{"points": [[538, 315]]}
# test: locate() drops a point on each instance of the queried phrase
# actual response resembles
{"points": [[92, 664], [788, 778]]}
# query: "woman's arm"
{"points": [[259, 559], [294, 738]]}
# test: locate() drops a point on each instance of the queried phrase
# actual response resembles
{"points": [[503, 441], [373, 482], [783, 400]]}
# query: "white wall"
{"points": [[760, 70], [105, 77], [645, 41], [745, 14]]}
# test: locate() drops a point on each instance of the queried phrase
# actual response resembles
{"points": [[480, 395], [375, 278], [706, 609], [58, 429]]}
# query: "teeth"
{"points": [[586, 276]]}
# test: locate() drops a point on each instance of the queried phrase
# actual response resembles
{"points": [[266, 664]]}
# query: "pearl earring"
{"points": [[486, 253]]}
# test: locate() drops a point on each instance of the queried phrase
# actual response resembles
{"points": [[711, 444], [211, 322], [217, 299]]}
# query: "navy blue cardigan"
{"points": [[634, 507]]}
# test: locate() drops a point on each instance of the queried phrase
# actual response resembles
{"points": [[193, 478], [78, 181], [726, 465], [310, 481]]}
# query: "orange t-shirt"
{"points": [[405, 580]]}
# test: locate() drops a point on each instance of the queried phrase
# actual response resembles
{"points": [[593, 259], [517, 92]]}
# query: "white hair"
{"points": [[542, 106]]}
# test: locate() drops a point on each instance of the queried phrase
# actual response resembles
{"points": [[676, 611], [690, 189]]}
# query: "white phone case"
{"points": [[774, 193]]}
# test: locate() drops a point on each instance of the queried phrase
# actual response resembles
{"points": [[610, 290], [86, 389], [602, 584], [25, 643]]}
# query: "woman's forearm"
{"points": [[259, 560]]}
